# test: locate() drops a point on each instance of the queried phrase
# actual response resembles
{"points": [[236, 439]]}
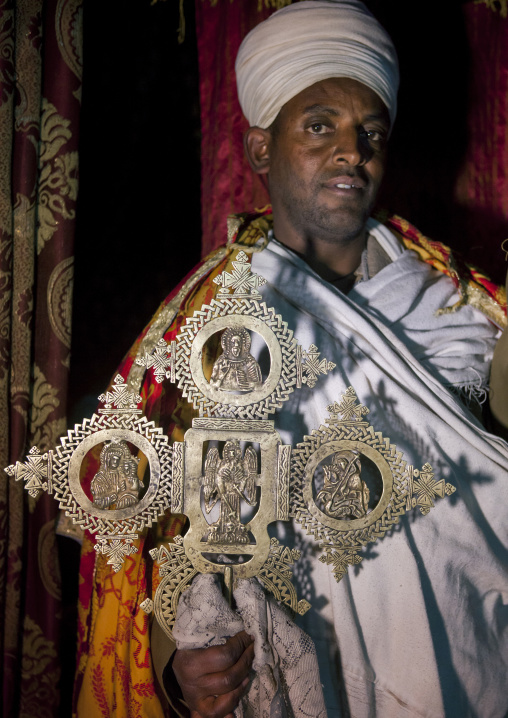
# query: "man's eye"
{"points": [[374, 136], [318, 128]]}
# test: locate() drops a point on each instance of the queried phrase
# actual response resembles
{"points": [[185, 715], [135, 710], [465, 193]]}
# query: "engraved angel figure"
{"points": [[236, 369], [344, 494], [229, 480]]}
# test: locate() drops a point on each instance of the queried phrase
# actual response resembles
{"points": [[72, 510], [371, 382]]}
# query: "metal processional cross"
{"points": [[231, 475]]}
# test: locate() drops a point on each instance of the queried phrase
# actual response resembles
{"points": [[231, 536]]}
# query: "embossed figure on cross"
{"points": [[344, 494], [129, 483], [229, 480], [117, 480], [236, 369]]}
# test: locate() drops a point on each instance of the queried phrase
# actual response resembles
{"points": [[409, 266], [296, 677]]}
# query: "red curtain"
{"points": [[227, 183], [40, 83], [482, 187]]}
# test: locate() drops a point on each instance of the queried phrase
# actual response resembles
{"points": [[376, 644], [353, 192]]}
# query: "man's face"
{"points": [[326, 160]]}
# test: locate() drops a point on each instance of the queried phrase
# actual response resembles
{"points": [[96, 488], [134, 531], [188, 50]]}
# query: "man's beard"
{"points": [[315, 221], [340, 227]]}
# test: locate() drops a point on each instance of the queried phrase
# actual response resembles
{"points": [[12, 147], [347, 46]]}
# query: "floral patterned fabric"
{"points": [[40, 82]]}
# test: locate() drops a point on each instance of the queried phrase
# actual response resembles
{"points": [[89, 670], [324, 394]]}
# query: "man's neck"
{"points": [[332, 260]]}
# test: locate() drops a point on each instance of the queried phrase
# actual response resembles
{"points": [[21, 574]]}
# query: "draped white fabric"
{"points": [[421, 628]]}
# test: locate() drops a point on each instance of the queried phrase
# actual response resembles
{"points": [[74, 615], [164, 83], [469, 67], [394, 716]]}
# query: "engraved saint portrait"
{"points": [[117, 482], [344, 495], [229, 480], [236, 369]]}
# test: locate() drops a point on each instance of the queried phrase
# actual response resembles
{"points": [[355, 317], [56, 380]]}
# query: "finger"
{"points": [[192, 664], [224, 682], [238, 643], [223, 706], [221, 658], [208, 672]]}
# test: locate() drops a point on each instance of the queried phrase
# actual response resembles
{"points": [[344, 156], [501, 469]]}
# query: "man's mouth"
{"points": [[346, 183]]}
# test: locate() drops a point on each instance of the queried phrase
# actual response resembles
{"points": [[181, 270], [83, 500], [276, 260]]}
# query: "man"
{"points": [[419, 630]]}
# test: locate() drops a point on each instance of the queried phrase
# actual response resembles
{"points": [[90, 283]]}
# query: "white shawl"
{"points": [[422, 628]]}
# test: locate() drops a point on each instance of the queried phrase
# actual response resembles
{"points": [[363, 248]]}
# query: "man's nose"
{"points": [[349, 148]]}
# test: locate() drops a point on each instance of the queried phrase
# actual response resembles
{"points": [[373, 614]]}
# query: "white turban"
{"points": [[308, 42]]}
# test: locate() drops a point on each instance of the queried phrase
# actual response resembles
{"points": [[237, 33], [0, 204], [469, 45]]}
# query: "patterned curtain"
{"points": [[40, 82]]}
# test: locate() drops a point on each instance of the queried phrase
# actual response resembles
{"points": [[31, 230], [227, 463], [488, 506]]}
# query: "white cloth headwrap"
{"points": [[308, 42]]}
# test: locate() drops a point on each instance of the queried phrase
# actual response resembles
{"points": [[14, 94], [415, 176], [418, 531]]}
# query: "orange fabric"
{"points": [[115, 675]]}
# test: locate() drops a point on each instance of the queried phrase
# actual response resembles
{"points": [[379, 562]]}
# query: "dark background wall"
{"points": [[139, 210]]}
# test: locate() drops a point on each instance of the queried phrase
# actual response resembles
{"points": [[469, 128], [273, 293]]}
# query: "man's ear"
{"points": [[256, 143]]}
